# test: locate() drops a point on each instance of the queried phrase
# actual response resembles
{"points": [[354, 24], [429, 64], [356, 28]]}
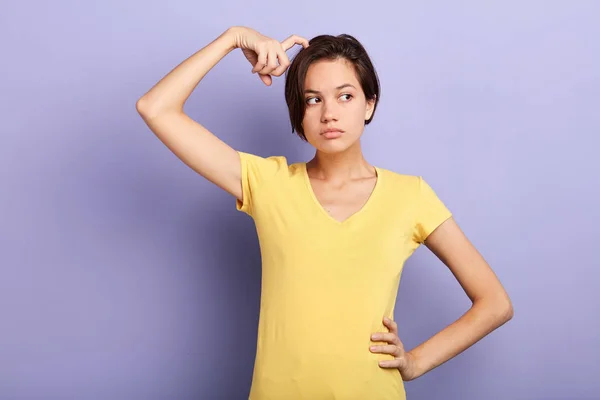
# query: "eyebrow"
{"points": [[345, 85]]}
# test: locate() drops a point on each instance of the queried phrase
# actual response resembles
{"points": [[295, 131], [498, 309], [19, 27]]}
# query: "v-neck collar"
{"points": [[352, 216]]}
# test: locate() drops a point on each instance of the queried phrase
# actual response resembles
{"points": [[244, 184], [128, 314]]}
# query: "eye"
{"points": [[311, 98], [348, 95]]}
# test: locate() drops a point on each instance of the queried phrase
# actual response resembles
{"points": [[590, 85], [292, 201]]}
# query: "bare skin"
{"points": [[341, 178], [162, 106]]}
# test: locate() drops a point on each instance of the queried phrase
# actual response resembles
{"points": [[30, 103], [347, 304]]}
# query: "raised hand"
{"points": [[266, 55]]}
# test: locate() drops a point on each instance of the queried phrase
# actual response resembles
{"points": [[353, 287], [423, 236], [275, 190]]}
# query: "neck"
{"points": [[340, 167]]}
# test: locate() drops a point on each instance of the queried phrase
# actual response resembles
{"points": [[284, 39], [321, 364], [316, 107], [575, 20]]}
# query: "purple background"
{"points": [[125, 275]]}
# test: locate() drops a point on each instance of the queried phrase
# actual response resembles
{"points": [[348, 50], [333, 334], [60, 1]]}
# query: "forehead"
{"points": [[328, 74]]}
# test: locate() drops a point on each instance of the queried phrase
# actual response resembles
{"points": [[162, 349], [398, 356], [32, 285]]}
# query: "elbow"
{"points": [[504, 310], [142, 107], [149, 109], [499, 308], [508, 312]]}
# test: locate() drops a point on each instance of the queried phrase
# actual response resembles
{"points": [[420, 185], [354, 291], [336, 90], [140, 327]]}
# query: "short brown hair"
{"points": [[328, 47]]}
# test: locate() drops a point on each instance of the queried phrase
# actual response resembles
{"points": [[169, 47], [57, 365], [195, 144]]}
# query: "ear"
{"points": [[370, 107]]}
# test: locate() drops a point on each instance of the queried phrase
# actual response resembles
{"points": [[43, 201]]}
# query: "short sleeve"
{"points": [[256, 172], [430, 211]]}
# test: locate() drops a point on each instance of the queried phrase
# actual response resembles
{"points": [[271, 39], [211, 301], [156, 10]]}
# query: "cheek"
{"points": [[311, 119], [358, 108]]}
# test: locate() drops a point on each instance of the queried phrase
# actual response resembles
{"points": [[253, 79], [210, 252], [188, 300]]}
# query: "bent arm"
{"points": [[491, 306], [161, 108]]}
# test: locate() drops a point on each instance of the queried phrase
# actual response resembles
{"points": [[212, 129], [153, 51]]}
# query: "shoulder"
{"points": [[399, 181], [405, 181], [264, 165], [408, 187], [259, 175], [272, 160]]}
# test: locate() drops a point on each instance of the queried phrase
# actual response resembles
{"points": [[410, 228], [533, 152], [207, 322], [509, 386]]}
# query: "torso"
{"points": [[323, 275]]}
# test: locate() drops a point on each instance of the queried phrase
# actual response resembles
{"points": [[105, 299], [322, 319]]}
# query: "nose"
{"points": [[329, 111]]}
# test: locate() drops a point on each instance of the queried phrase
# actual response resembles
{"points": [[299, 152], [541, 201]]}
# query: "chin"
{"points": [[332, 146]]}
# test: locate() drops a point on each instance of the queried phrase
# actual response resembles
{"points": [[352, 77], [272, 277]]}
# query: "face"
{"points": [[334, 100]]}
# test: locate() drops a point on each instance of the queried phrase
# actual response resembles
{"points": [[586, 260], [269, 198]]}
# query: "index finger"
{"points": [[292, 40], [389, 337], [391, 324]]}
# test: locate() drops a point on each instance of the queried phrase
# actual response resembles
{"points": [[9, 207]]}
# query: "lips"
{"points": [[332, 133]]}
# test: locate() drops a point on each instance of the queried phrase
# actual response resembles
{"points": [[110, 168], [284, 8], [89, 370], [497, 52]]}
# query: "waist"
{"points": [[283, 373]]}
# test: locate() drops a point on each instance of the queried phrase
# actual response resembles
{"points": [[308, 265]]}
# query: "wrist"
{"points": [[416, 369], [232, 35]]}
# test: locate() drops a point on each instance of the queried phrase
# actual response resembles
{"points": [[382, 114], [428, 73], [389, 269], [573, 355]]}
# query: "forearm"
{"points": [[482, 318], [172, 91]]}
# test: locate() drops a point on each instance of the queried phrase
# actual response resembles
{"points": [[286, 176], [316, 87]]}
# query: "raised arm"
{"points": [[162, 106]]}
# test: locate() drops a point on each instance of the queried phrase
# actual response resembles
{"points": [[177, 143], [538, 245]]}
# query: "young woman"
{"points": [[334, 232]]}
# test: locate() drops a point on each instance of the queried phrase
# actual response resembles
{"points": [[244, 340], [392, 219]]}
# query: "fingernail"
{"points": [[372, 347]]}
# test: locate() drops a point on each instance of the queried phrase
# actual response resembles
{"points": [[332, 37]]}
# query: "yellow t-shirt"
{"points": [[326, 285]]}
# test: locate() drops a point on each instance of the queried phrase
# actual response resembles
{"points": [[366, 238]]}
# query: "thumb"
{"points": [[266, 79]]}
